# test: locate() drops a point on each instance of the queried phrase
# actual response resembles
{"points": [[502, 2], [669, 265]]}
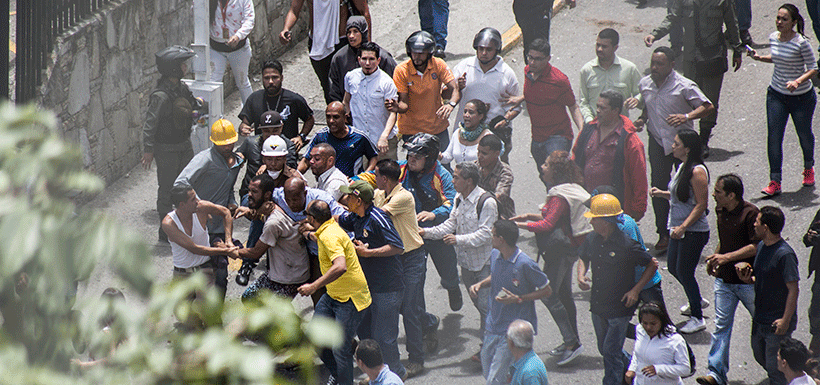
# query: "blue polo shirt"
{"points": [[520, 275], [375, 228], [529, 370], [349, 150]]}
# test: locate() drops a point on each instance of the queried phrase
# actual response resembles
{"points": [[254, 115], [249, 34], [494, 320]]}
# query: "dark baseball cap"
{"points": [[270, 119]]}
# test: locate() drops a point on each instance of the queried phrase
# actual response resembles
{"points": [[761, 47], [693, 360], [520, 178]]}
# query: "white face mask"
{"points": [[274, 174]]}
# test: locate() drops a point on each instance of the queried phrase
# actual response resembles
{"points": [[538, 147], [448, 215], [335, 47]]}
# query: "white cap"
{"points": [[274, 146]]}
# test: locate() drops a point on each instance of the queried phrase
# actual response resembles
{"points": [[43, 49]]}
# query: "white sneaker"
{"points": [[694, 325], [685, 310]]}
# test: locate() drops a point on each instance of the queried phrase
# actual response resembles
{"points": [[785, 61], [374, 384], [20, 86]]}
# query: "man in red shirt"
{"points": [[610, 153], [548, 95]]}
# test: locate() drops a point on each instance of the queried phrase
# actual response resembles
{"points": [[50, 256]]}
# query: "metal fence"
{"points": [[39, 22]]}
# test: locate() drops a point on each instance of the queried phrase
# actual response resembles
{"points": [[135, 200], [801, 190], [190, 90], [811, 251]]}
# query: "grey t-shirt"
{"points": [[287, 253]]}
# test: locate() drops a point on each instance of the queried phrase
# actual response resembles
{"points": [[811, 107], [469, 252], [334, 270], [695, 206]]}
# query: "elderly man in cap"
{"points": [[345, 59], [378, 246], [613, 256]]}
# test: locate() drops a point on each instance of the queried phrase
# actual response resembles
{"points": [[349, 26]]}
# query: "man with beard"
{"points": [[274, 154], [422, 82], [350, 143], [212, 173], [323, 167], [346, 59], [280, 239], [291, 106], [488, 78], [365, 91]]}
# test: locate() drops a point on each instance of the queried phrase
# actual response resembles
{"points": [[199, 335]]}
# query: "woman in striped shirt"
{"points": [[789, 93]]}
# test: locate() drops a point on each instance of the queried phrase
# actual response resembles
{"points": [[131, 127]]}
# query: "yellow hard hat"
{"points": [[222, 133], [604, 205]]}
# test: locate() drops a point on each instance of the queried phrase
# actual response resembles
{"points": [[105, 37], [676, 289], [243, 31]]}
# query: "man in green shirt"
{"points": [[608, 71]]}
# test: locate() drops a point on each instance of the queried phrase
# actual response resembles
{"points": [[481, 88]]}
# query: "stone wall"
{"points": [[103, 70]]}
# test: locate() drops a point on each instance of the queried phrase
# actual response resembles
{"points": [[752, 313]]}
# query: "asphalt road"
{"points": [[738, 146]]}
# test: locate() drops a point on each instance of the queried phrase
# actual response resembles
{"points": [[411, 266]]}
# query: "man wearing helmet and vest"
{"points": [[167, 128], [212, 173], [613, 256], [488, 78], [346, 59], [274, 155], [419, 82], [432, 187]]}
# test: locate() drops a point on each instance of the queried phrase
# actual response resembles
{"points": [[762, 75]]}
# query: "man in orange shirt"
{"points": [[419, 83]]}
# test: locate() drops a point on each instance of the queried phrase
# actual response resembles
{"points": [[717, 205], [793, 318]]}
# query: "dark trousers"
{"points": [[444, 258], [814, 307], [533, 16], [765, 345], [661, 165], [560, 304], [682, 257], [322, 67], [171, 159], [220, 265], [710, 85]]}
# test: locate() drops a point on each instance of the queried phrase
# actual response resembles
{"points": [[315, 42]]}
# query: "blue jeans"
{"points": [[541, 150], [682, 258], [433, 15], [414, 270], [381, 323], [482, 301], [744, 14], [778, 109], [727, 296], [339, 361], [765, 345], [610, 333], [496, 359]]}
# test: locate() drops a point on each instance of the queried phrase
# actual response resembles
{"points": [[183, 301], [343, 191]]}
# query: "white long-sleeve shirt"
{"points": [[239, 19], [667, 353], [474, 236]]}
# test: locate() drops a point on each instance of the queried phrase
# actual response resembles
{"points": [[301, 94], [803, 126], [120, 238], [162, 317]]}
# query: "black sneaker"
{"points": [[439, 52], [455, 299], [244, 274]]}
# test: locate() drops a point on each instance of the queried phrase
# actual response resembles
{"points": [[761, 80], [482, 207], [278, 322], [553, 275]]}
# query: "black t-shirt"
{"points": [[613, 271], [774, 266], [291, 106]]}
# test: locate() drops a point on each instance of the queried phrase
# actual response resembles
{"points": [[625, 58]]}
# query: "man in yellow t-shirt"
{"points": [[347, 292]]}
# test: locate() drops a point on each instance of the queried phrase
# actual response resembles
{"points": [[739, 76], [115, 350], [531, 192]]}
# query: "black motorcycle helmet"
{"points": [[169, 60], [488, 37], [424, 144], [420, 41]]}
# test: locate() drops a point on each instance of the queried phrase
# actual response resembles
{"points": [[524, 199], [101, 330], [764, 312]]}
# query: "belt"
{"points": [[194, 269]]}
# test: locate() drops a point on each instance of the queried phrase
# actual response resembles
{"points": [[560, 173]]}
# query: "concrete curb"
{"points": [[511, 37]]}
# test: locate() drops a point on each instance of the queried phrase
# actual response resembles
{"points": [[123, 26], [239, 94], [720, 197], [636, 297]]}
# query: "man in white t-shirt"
{"points": [[366, 90], [488, 78]]}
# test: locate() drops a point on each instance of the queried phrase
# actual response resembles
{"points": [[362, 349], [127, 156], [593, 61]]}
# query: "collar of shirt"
{"points": [[521, 361], [324, 226], [326, 175], [473, 197], [514, 258], [615, 62], [393, 192], [218, 158]]}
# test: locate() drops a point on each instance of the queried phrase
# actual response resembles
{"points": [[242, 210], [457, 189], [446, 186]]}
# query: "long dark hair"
{"points": [[657, 310], [690, 140], [795, 15]]}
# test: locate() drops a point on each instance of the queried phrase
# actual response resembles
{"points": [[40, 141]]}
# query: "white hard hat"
{"points": [[274, 146]]}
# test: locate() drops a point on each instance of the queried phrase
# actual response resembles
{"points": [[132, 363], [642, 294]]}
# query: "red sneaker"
{"points": [[808, 177], [773, 188]]}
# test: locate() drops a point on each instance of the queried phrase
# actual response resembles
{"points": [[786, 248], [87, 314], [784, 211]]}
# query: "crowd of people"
{"points": [[357, 241]]}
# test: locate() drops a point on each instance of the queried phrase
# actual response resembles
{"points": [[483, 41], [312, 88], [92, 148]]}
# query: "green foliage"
{"points": [[54, 244]]}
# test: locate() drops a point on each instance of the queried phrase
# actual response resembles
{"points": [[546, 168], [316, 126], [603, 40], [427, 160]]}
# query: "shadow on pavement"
{"points": [[721, 155], [792, 200]]}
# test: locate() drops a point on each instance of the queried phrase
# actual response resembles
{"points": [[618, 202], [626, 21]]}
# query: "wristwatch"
{"points": [[453, 104], [303, 136]]}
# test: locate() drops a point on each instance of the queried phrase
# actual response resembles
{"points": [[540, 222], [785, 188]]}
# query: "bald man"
{"points": [[350, 144]]}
